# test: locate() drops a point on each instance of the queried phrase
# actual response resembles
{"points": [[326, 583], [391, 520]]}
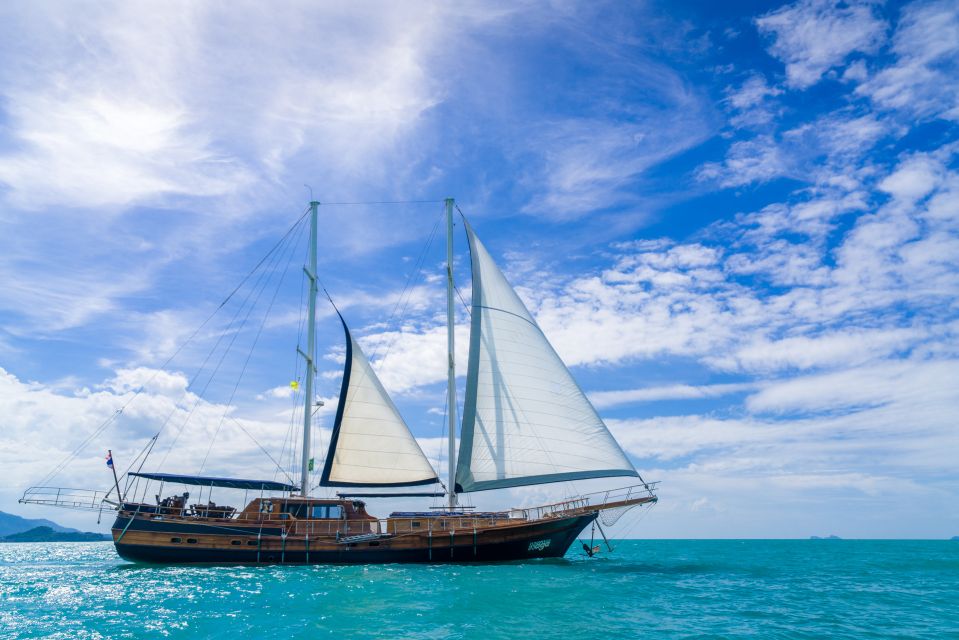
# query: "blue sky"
{"points": [[738, 225]]}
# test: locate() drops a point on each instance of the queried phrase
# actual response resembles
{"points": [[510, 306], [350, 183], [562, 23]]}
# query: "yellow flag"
{"points": [[294, 385]]}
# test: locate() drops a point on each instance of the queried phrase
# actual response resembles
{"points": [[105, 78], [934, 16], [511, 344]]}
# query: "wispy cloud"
{"points": [[607, 399]]}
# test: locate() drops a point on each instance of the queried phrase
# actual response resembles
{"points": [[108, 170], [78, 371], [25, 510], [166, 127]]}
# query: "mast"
{"points": [[451, 381], [308, 356]]}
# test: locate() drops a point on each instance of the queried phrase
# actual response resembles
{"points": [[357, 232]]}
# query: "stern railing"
{"points": [[80, 499]]}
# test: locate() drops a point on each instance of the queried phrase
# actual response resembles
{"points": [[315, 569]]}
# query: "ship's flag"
{"points": [[109, 459], [311, 464], [294, 385]]}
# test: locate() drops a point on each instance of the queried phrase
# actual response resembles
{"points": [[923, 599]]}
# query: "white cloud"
{"points": [[104, 123], [589, 164], [66, 418], [909, 382], [50, 302], [750, 102], [607, 399], [813, 36], [848, 347], [411, 357], [914, 178], [204, 109], [758, 160], [149, 380], [921, 83]]}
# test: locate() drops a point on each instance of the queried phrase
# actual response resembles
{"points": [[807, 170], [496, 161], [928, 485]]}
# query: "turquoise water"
{"points": [[646, 589]]}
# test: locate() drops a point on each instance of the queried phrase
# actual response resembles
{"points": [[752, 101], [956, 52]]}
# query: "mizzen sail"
{"points": [[371, 444], [525, 420]]}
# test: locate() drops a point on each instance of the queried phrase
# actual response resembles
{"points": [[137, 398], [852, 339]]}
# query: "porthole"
{"points": [[235, 542], [191, 540], [174, 539]]}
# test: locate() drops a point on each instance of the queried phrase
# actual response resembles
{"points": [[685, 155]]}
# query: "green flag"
{"points": [[310, 467]]}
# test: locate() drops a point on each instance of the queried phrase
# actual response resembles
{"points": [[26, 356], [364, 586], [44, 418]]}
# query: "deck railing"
{"points": [[596, 500], [343, 528]]}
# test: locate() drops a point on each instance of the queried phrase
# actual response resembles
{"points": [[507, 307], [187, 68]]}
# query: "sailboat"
{"points": [[525, 422]]}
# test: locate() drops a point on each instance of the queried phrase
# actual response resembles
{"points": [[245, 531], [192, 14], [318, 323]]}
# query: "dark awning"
{"points": [[207, 481]]}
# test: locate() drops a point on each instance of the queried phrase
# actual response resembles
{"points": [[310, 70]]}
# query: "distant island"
{"points": [[47, 534], [825, 538], [10, 523], [16, 529]]}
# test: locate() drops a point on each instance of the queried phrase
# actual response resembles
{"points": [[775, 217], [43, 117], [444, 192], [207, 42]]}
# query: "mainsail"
{"points": [[371, 445], [525, 420]]}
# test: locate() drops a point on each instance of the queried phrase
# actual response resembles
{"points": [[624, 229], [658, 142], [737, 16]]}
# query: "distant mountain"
{"points": [[47, 534], [956, 538], [10, 523], [825, 538]]}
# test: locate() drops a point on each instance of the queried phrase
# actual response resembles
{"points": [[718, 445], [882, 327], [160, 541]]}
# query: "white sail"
{"points": [[525, 420], [371, 444]]}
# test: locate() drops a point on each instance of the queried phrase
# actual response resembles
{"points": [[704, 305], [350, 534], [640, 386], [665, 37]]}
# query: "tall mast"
{"points": [[308, 356], [451, 381]]}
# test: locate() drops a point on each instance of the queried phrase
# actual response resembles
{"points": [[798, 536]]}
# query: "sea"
{"points": [[642, 589]]}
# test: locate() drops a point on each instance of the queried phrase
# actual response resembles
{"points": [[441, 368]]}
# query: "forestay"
{"points": [[525, 420], [371, 444]]}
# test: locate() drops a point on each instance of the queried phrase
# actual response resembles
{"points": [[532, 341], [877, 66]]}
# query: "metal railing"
{"points": [[80, 499], [596, 500]]}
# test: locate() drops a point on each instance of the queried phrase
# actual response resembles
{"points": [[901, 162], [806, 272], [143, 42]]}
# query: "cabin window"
{"points": [[235, 542], [415, 523], [174, 539], [326, 511], [191, 540], [252, 543]]}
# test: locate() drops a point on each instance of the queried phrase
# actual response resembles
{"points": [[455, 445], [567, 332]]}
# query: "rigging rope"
{"points": [[249, 354], [237, 423], [79, 448], [288, 440], [235, 334], [407, 290]]}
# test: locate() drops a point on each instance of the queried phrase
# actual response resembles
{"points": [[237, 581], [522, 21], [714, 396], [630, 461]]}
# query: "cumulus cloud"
{"points": [[758, 160], [813, 36]]}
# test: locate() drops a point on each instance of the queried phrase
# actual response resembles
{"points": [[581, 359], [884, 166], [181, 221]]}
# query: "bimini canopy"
{"points": [[207, 481]]}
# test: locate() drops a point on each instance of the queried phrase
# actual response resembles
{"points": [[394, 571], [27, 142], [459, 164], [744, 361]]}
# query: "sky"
{"points": [[738, 224]]}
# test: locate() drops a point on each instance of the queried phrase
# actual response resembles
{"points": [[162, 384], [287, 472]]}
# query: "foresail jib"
{"points": [[371, 444], [525, 420]]}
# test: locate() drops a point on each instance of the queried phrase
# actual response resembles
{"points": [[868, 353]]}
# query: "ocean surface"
{"points": [[644, 589]]}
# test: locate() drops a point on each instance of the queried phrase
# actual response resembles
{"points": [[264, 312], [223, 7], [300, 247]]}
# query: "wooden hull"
{"points": [[147, 540]]}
